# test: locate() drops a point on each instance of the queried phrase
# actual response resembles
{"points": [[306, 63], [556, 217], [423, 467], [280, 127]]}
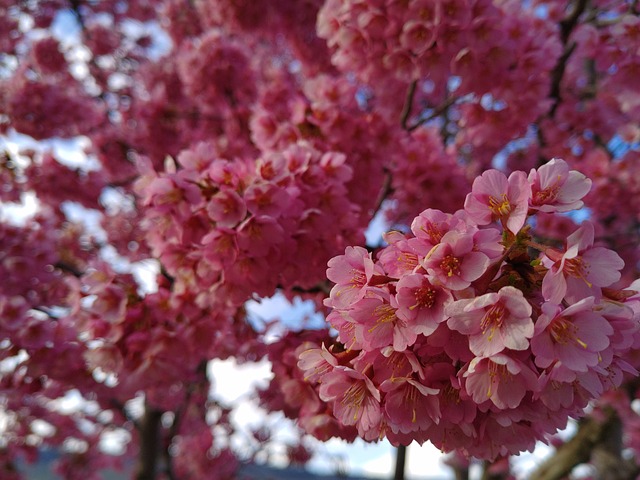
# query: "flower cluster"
{"points": [[469, 332], [231, 229]]}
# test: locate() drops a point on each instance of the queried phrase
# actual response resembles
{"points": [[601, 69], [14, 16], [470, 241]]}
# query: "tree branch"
{"points": [[401, 458], [408, 104], [577, 450], [567, 25], [149, 442], [437, 111]]}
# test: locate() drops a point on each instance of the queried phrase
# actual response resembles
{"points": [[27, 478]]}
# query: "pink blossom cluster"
{"points": [[494, 58], [47, 107], [324, 111], [290, 392], [216, 74], [232, 228], [469, 332]]}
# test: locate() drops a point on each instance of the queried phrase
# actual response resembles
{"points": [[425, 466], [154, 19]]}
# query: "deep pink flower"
{"points": [[495, 197], [356, 401], [409, 404], [555, 188], [227, 208], [381, 326], [575, 336], [348, 330], [454, 262], [398, 258], [500, 378], [430, 226], [420, 303], [493, 321], [581, 270], [315, 362], [267, 199], [350, 272]]}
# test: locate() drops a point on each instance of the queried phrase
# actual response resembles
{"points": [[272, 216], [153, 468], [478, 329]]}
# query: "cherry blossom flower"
{"points": [[350, 272], [502, 379], [454, 262], [581, 270], [430, 226], [381, 327], [356, 401], [409, 404], [421, 303], [495, 197], [227, 208], [315, 362], [575, 336], [555, 188], [493, 321]]}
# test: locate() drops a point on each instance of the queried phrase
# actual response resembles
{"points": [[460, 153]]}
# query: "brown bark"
{"points": [[150, 441], [401, 458], [591, 433]]}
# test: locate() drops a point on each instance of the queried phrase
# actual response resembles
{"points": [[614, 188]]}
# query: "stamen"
{"points": [[578, 268], [425, 298], [492, 320], [563, 332], [450, 265], [500, 207]]}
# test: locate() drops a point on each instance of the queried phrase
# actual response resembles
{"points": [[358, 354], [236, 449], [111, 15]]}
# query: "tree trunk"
{"points": [[401, 458], [149, 432]]}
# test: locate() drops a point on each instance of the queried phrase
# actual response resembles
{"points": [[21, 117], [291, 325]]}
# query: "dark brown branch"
{"points": [[149, 432], [67, 267], [556, 78], [401, 458], [385, 191], [566, 27], [591, 432], [437, 111], [408, 105], [568, 23], [322, 287]]}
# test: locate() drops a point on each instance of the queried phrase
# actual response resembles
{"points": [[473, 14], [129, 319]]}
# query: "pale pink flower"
{"points": [[555, 188], [575, 336], [398, 258], [500, 378], [348, 330], [454, 262], [350, 272], [493, 321], [381, 327], [409, 404], [315, 362], [267, 199], [581, 270], [356, 401], [494, 197], [227, 208], [421, 303], [430, 226]]}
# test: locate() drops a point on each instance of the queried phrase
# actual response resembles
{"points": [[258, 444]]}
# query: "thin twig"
{"points": [[577, 450], [439, 110], [408, 105]]}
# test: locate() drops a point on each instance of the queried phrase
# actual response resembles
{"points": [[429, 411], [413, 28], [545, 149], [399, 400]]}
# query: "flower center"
{"points": [[499, 207], [548, 195], [492, 320], [497, 373], [563, 331], [577, 268], [450, 265], [425, 297]]}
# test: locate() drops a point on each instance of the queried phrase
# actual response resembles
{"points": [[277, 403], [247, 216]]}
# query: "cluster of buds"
{"points": [[469, 331]]}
